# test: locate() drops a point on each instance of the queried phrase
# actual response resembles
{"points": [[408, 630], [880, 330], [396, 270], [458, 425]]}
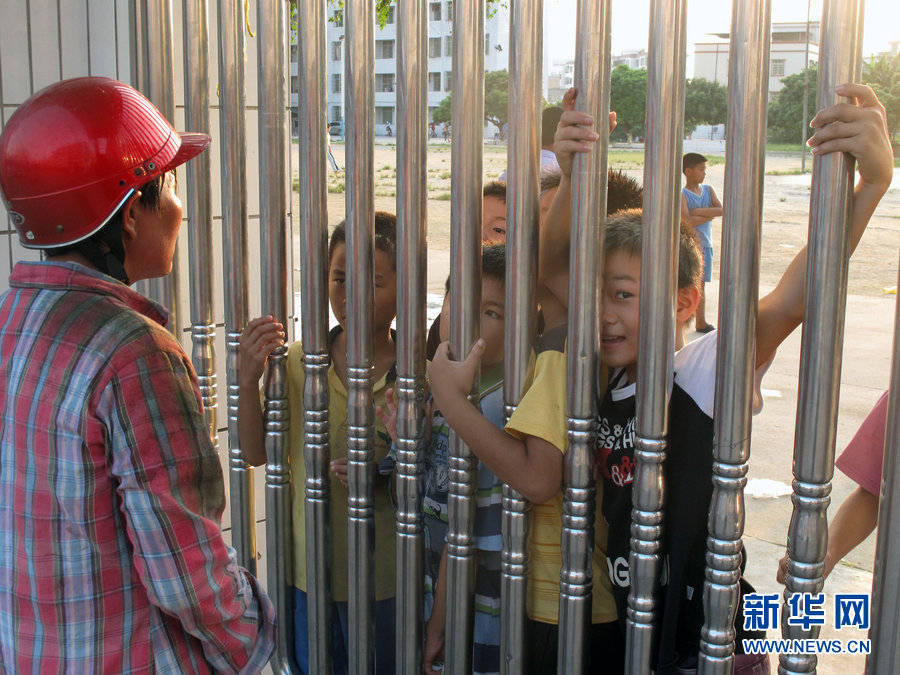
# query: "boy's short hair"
{"points": [[549, 121], [495, 188], [385, 236], [622, 192], [550, 180], [692, 159], [493, 264], [624, 232]]}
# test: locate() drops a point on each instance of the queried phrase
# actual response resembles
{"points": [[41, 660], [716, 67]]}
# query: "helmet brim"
{"points": [[192, 144]]}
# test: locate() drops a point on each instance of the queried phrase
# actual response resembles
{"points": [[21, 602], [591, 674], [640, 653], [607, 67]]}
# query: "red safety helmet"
{"points": [[73, 153]]}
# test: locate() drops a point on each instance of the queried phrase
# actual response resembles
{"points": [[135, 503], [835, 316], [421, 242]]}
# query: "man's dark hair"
{"points": [[104, 248], [496, 188], [385, 236], [549, 121], [692, 159]]}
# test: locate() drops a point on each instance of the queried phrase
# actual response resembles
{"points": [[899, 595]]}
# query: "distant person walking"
{"points": [[331, 159], [699, 205]]}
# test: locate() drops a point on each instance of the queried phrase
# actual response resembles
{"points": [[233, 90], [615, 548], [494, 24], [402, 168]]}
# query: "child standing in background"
{"points": [[699, 205], [260, 337]]}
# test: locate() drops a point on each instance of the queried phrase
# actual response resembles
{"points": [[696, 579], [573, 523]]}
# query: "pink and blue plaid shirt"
{"points": [[111, 494]]}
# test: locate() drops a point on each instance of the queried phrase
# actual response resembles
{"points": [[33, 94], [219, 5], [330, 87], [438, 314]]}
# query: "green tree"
{"points": [[628, 97], [496, 101], [883, 75], [786, 111], [382, 8], [442, 112], [705, 102]]}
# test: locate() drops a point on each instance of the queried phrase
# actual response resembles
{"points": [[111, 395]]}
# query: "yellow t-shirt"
{"points": [[385, 523], [542, 413]]}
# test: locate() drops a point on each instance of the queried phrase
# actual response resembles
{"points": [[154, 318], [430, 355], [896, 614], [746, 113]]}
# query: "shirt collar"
{"points": [[71, 276]]}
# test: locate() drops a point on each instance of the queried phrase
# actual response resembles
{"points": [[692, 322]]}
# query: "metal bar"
{"points": [[738, 295], [273, 239], [199, 210], [886, 601], [161, 91], [359, 17], [412, 72], [466, 164], [589, 177], [659, 269], [314, 331], [523, 215], [823, 333], [233, 132]]}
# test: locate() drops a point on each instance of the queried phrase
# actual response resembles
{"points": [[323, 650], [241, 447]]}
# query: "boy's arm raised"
{"points": [[532, 467], [858, 128], [259, 339]]}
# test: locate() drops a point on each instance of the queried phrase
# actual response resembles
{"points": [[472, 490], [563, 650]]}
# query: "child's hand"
{"points": [[575, 133], [451, 381], [259, 339], [859, 128], [339, 469], [433, 652], [389, 418]]}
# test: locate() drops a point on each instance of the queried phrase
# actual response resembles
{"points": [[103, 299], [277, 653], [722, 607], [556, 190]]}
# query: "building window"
{"points": [[337, 49], [434, 11], [335, 113], [384, 82], [778, 68], [384, 49], [434, 81], [448, 80], [448, 45], [390, 16], [336, 83], [487, 44], [339, 18], [450, 11], [384, 115], [434, 48]]}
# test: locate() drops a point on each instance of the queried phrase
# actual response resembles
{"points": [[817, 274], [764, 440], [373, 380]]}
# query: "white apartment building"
{"points": [[787, 54], [440, 60]]}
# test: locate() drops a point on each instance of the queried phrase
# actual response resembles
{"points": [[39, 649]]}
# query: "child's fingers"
{"points": [[613, 120], [568, 101], [863, 93], [474, 356]]}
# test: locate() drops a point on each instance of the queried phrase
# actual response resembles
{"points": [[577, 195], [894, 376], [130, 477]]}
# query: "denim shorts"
{"points": [[707, 263]]}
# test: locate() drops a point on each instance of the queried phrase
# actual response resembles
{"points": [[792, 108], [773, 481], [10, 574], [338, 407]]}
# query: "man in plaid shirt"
{"points": [[111, 554]]}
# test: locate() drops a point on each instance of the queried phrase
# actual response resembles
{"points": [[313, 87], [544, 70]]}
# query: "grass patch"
{"points": [[443, 197], [784, 172], [445, 175], [787, 147], [337, 188]]}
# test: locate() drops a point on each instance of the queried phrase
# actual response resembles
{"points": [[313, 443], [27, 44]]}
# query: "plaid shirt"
{"points": [[111, 554]]}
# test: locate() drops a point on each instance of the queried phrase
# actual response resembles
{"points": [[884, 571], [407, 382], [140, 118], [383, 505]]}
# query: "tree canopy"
{"points": [[883, 75], [705, 102], [496, 101], [786, 111], [382, 8], [628, 97]]}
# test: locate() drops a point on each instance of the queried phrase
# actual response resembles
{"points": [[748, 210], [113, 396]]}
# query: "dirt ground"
{"points": [[873, 267]]}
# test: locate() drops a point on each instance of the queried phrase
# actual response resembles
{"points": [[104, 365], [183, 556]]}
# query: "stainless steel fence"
{"points": [[822, 337]]}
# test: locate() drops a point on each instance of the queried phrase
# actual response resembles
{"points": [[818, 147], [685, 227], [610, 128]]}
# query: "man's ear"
{"points": [[687, 301], [130, 215]]}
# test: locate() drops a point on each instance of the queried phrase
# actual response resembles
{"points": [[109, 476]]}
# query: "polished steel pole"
{"points": [[589, 172], [885, 657], [199, 210], [738, 294], [313, 218], [466, 165], [359, 21], [271, 40], [659, 270], [823, 333], [523, 215], [161, 91], [233, 164], [412, 179]]}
